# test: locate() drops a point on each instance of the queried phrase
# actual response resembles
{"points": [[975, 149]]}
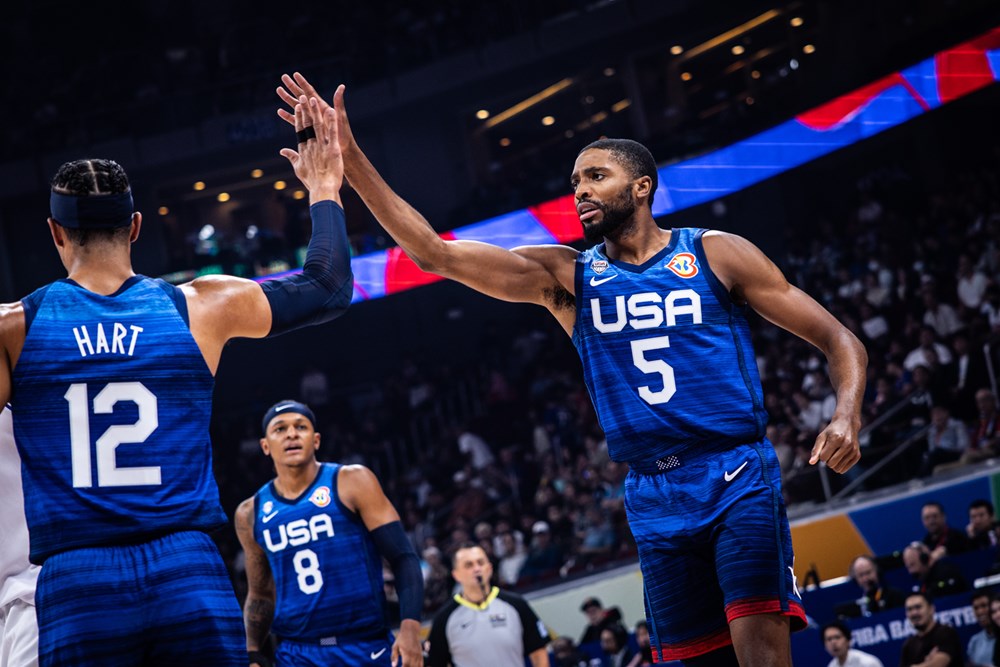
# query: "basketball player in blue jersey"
{"points": [[314, 538], [109, 375], [658, 318]]}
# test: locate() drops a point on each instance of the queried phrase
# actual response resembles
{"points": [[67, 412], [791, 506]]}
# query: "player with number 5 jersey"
{"points": [[658, 317], [314, 538], [109, 375]]}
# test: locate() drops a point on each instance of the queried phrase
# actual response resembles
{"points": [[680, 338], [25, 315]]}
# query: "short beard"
{"points": [[617, 221]]}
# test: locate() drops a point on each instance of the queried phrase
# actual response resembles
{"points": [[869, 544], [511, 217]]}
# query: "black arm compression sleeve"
{"points": [[323, 291], [392, 543]]}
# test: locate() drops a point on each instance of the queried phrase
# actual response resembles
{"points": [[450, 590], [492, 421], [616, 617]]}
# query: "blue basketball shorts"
{"points": [[351, 653], [714, 545], [166, 602]]}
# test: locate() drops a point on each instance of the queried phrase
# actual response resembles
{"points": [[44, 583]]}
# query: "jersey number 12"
{"points": [[109, 473]]}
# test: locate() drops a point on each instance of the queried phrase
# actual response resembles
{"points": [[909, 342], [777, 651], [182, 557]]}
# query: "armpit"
{"points": [[559, 298]]}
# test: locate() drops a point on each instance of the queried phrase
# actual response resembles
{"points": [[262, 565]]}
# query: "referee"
{"points": [[483, 626]]}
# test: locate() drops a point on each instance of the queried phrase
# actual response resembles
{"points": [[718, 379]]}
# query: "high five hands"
{"points": [[319, 161]]}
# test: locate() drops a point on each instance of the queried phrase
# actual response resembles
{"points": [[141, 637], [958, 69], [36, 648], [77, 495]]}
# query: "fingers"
{"points": [[817, 451], [304, 85], [839, 451], [332, 128], [290, 155], [292, 85]]}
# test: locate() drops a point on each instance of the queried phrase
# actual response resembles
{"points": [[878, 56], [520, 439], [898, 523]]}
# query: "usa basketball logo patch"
{"points": [[267, 507], [599, 266], [683, 264], [320, 497]]}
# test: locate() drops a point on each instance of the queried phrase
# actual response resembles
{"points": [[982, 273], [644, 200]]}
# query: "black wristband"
{"points": [[259, 658], [305, 134]]}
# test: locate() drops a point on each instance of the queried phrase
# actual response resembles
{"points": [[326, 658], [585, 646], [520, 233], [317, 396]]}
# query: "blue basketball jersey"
{"points": [[667, 356], [327, 572], [111, 403]]}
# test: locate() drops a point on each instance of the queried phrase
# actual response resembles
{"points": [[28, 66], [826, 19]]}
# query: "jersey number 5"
{"points": [[650, 366], [108, 471]]}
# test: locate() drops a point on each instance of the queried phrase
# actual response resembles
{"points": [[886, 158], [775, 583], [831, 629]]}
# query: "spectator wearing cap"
{"points": [[544, 556], [598, 618]]}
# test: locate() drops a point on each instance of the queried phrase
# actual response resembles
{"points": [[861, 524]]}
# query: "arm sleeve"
{"points": [[440, 653], [535, 635], [392, 544], [323, 291]]}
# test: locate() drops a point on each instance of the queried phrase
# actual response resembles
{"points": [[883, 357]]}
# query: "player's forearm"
{"points": [[403, 222], [258, 613], [848, 363]]}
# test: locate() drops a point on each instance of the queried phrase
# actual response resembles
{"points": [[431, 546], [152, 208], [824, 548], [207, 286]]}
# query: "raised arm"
{"points": [[532, 274], [258, 611], [224, 307], [751, 277], [360, 491]]}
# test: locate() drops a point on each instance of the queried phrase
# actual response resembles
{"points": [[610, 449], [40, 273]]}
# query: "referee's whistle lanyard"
{"points": [[478, 606]]}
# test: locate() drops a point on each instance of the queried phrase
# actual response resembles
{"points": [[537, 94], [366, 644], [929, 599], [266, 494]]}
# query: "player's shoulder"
{"points": [[12, 323], [243, 517]]}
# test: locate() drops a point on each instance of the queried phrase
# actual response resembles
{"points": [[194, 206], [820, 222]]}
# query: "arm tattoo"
{"points": [[257, 617]]}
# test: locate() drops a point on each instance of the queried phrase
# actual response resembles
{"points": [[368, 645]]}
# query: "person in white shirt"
{"points": [[837, 641], [18, 625]]}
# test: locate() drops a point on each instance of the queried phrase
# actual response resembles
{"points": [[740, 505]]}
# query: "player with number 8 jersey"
{"points": [[314, 538]]}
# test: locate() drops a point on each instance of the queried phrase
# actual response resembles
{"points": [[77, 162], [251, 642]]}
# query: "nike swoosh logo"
{"points": [[268, 517], [730, 476], [594, 282], [284, 407], [377, 655]]}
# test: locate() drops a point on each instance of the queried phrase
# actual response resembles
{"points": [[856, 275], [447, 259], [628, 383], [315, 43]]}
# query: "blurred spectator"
{"points": [[567, 654], [509, 569], [986, 438], [983, 643], [645, 655], [939, 316], [614, 644], [598, 618], [941, 539], [972, 284], [836, 638], [964, 375], [474, 448], [875, 596], [982, 528], [931, 637], [922, 354], [947, 440], [544, 557], [934, 578]]}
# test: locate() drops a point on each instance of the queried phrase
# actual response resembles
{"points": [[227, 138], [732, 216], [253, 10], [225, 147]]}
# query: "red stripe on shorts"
{"points": [[754, 606], [694, 647]]}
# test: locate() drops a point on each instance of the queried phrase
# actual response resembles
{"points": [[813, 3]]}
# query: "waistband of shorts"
{"points": [[670, 462], [338, 639], [656, 467]]}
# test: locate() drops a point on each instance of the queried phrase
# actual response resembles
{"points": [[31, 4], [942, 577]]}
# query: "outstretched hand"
{"points": [[837, 446], [295, 86], [318, 162]]}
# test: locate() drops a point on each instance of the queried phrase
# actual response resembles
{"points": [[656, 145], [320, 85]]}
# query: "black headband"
{"points": [[286, 407], [91, 211]]}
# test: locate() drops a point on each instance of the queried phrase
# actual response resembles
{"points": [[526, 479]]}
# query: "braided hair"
{"points": [[95, 176]]}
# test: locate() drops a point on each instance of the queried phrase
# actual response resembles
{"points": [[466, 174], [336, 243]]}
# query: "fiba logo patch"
{"points": [[267, 507], [684, 265], [599, 266], [320, 497]]}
